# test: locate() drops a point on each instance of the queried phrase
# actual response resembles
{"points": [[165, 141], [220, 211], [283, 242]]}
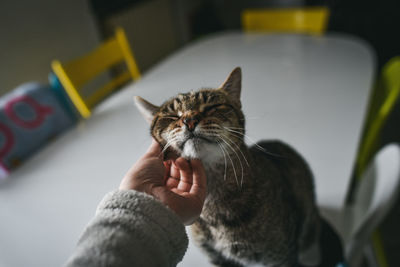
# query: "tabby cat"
{"points": [[260, 206]]}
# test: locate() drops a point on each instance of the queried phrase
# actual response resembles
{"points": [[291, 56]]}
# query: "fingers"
{"points": [[187, 177], [167, 165], [172, 183], [154, 150], [175, 172], [184, 190], [199, 177], [185, 171]]}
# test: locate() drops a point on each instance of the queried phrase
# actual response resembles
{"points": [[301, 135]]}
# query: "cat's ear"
{"points": [[147, 109], [233, 84]]}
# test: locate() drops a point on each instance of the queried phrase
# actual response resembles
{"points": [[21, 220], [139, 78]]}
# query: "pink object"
{"points": [[41, 112]]}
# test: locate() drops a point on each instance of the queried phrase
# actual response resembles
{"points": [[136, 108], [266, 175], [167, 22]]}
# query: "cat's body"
{"points": [[260, 206], [244, 224]]}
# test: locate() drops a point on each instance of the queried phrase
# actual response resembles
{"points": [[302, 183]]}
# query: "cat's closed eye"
{"points": [[218, 109], [173, 117], [211, 109]]}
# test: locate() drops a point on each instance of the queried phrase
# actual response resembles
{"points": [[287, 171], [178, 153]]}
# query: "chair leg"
{"points": [[369, 256], [378, 248]]}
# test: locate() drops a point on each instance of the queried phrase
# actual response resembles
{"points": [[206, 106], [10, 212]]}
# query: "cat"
{"points": [[260, 207]]}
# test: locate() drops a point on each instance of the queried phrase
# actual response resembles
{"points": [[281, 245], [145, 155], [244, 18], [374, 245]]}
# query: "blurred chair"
{"points": [[383, 99], [374, 196], [312, 20], [382, 102], [75, 74]]}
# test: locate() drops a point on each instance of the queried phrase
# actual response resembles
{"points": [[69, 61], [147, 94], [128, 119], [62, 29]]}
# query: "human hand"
{"points": [[179, 184]]}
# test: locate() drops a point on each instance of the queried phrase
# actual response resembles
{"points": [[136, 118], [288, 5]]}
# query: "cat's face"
{"points": [[205, 124]]}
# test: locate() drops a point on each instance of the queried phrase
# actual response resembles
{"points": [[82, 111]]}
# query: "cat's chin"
{"points": [[207, 152]]}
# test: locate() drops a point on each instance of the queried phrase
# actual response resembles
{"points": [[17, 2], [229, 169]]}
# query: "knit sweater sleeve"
{"points": [[131, 228]]}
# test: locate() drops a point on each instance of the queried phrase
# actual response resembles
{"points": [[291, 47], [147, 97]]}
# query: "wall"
{"points": [[150, 30], [32, 33]]}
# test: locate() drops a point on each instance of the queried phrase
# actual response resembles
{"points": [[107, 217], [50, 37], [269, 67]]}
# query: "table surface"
{"points": [[310, 92]]}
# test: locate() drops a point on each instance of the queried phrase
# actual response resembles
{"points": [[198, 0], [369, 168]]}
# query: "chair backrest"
{"points": [[311, 20], [383, 100], [75, 74], [374, 197]]}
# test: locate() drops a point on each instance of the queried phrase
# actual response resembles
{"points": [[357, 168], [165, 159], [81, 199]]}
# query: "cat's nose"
{"points": [[190, 123]]}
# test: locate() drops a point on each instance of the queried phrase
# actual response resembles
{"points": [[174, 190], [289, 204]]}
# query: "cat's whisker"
{"points": [[173, 134], [233, 166], [168, 144], [164, 149], [223, 153], [239, 134], [237, 156], [173, 131], [238, 148], [221, 133], [171, 138]]}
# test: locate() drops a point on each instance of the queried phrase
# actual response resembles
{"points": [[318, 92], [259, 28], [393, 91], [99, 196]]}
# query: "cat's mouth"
{"points": [[199, 146], [195, 139]]}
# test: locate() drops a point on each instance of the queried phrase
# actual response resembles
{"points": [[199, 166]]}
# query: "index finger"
{"points": [[199, 177]]}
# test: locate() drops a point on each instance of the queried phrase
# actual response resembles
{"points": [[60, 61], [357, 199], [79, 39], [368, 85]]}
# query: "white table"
{"points": [[308, 91]]}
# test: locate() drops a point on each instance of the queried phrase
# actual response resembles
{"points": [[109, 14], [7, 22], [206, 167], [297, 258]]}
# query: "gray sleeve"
{"points": [[131, 229]]}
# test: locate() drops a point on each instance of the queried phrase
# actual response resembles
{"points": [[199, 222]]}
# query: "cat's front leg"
{"points": [[217, 259], [309, 240], [204, 239]]}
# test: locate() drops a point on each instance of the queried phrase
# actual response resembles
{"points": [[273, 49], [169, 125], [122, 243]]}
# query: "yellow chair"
{"points": [[309, 20], [383, 99], [74, 75], [381, 104]]}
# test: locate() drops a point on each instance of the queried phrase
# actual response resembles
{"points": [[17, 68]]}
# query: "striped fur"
{"points": [[260, 208]]}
